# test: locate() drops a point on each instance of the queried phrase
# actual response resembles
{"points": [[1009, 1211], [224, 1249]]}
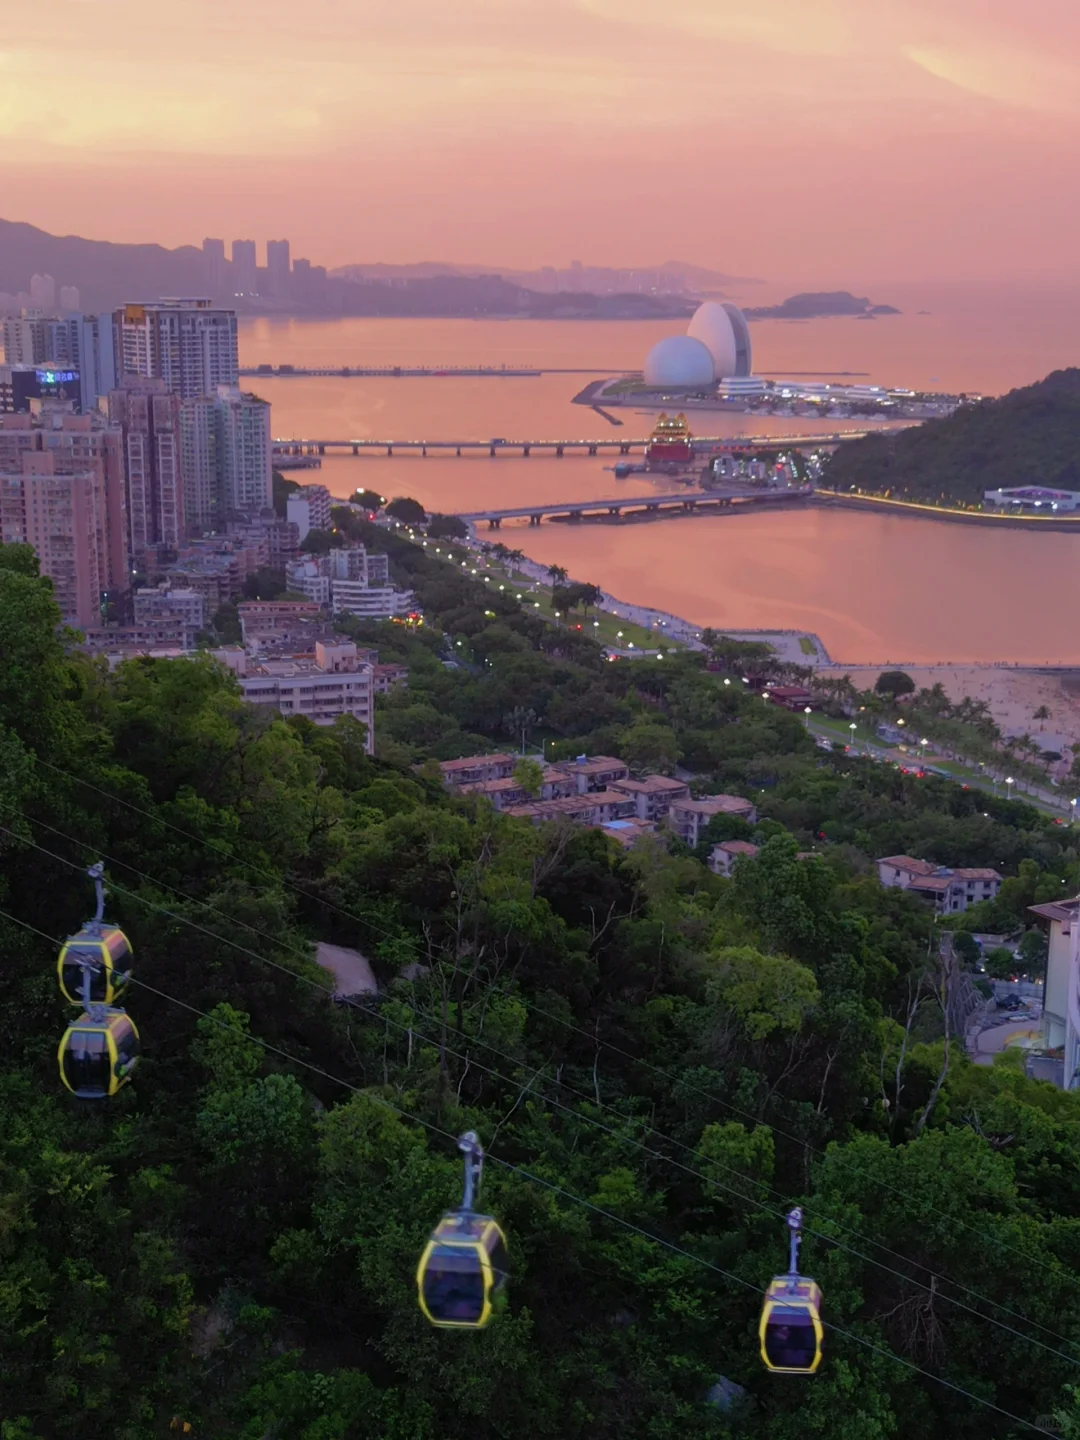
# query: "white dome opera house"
{"points": [[716, 346], [680, 362], [723, 330]]}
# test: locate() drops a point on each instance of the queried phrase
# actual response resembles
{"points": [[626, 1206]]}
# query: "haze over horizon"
{"points": [[911, 142]]}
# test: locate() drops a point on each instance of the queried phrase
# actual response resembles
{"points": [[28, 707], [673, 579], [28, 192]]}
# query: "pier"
{"points": [[641, 507], [703, 446], [411, 372]]}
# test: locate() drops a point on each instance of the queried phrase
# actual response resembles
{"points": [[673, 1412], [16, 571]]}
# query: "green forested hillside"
{"points": [[659, 1061], [1030, 436]]}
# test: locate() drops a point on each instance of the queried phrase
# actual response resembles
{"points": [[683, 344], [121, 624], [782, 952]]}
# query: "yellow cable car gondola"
{"points": [[463, 1269], [791, 1332], [100, 955], [98, 1053]]}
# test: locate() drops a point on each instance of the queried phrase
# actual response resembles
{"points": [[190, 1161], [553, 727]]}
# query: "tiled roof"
{"points": [[651, 785], [469, 762], [715, 805], [906, 862]]}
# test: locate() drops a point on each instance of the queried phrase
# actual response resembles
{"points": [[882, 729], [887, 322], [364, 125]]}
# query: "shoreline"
{"points": [[917, 510], [649, 617]]}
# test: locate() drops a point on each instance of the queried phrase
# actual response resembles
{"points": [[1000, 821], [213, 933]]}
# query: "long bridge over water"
{"points": [[703, 445], [641, 507]]}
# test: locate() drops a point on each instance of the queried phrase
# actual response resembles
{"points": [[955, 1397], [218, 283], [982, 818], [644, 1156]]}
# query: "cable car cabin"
{"points": [[97, 1056], [105, 955], [462, 1271], [790, 1331]]}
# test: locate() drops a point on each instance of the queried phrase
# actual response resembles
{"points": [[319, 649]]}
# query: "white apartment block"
{"points": [[323, 687], [306, 578], [244, 454], [190, 344], [163, 606], [309, 509], [355, 597]]}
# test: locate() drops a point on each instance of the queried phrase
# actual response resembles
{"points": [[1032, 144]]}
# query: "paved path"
{"points": [[349, 968]]}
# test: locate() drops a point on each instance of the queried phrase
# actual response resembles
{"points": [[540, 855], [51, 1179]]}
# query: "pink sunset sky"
{"points": [[817, 141]]}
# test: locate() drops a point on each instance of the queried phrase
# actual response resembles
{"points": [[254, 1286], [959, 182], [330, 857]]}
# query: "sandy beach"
{"points": [[1012, 693]]}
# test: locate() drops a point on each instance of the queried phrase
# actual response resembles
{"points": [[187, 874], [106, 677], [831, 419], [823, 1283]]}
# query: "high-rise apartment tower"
{"points": [[190, 344]]}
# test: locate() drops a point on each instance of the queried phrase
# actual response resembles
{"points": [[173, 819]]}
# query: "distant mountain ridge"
{"points": [[106, 273], [606, 279]]}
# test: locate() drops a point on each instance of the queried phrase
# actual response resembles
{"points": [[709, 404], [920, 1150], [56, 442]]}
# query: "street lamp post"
{"points": [[808, 712], [1010, 782], [852, 727]]}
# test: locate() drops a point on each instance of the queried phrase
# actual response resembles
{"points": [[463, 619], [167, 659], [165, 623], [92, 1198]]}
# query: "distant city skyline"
{"points": [[806, 143]]}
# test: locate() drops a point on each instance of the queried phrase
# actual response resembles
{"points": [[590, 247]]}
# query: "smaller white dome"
{"points": [[680, 362]]}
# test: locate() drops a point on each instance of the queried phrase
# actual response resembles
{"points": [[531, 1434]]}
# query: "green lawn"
{"points": [[806, 645], [608, 629]]}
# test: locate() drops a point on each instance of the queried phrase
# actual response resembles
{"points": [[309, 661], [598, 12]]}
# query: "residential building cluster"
{"points": [[153, 445], [347, 580], [282, 278], [595, 791]]}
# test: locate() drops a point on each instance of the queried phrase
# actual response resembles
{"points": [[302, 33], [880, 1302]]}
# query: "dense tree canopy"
{"points": [[660, 1061], [1030, 436]]}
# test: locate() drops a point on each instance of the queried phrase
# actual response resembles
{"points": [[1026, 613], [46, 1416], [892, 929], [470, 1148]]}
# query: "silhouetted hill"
{"points": [[476, 295], [1027, 437], [106, 274], [816, 304]]}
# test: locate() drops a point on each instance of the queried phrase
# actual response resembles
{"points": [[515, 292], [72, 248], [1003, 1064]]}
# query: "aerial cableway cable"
{"points": [[561, 1191], [569, 1025], [740, 1194]]}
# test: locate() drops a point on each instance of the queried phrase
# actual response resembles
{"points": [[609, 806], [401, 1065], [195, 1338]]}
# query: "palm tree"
{"points": [[1042, 714], [521, 720], [558, 573]]}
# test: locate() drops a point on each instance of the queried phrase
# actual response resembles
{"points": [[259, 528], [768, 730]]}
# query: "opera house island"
{"points": [[710, 367]]}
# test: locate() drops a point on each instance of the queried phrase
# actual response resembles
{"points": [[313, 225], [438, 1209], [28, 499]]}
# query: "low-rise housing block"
{"points": [[688, 818], [326, 685], [653, 796], [723, 856], [949, 890]]}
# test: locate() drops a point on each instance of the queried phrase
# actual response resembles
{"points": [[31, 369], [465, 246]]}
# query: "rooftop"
{"points": [[1064, 910], [582, 765], [570, 806], [715, 805], [651, 785], [927, 869], [470, 762], [737, 847], [906, 862], [627, 832]]}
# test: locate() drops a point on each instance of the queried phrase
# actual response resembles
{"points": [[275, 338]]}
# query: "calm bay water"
{"points": [[875, 588]]}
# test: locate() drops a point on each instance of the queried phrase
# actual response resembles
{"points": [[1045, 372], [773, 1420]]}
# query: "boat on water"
{"points": [[670, 443]]}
